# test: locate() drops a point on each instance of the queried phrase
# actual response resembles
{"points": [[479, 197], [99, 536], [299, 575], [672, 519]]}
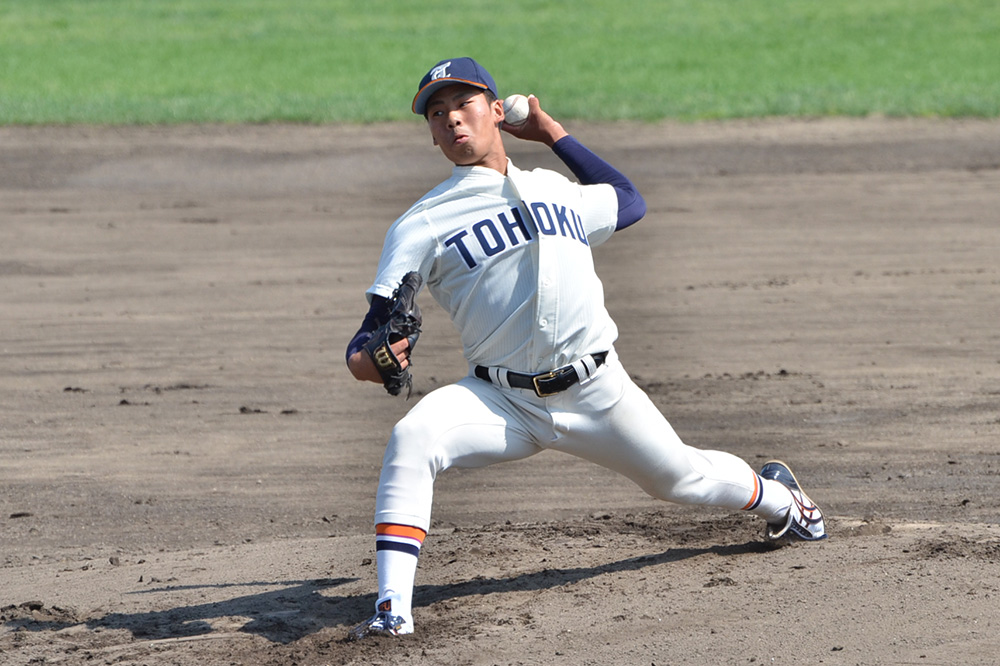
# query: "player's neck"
{"points": [[497, 163], [496, 160]]}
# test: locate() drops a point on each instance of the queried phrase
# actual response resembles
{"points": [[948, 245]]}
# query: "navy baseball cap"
{"points": [[448, 73]]}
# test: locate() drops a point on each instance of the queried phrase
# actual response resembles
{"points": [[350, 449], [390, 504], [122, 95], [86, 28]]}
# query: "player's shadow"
{"points": [[296, 609], [426, 595], [300, 608]]}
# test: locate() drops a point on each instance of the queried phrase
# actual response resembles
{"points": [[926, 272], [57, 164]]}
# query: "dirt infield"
{"points": [[188, 471]]}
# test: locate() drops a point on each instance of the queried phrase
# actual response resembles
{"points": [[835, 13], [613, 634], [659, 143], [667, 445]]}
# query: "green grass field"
{"points": [[179, 61]]}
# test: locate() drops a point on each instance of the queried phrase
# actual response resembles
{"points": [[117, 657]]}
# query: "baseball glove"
{"points": [[404, 322]]}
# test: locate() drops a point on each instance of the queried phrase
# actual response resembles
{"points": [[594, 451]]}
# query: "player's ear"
{"points": [[498, 114]]}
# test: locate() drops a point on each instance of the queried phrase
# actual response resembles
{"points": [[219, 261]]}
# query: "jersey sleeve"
{"points": [[409, 246], [596, 204], [599, 206]]}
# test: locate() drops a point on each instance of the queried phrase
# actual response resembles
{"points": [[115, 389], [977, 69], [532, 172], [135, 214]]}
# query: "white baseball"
{"points": [[515, 109]]}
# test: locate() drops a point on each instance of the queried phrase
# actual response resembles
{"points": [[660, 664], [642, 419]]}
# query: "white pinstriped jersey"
{"points": [[477, 248]]}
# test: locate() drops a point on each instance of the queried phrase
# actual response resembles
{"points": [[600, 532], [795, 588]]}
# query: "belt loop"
{"points": [[499, 377], [585, 368]]}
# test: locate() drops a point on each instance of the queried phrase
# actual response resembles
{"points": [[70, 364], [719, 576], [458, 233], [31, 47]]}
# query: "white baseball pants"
{"points": [[607, 420]]}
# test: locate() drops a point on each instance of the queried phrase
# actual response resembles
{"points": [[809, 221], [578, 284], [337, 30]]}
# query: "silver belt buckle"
{"points": [[538, 389]]}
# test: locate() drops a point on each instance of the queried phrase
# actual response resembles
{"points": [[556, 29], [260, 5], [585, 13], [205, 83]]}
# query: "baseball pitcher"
{"points": [[507, 253]]}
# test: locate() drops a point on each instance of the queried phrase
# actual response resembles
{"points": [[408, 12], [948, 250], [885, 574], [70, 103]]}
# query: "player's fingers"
{"points": [[401, 348], [536, 114]]}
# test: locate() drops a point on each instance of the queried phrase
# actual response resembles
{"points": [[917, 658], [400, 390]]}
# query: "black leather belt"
{"points": [[543, 384]]}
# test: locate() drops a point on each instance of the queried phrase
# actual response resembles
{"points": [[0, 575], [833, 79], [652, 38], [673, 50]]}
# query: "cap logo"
{"points": [[441, 71]]}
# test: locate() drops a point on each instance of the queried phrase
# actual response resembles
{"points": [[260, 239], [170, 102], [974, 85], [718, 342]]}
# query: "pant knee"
{"points": [[412, 447], [689, 489]]}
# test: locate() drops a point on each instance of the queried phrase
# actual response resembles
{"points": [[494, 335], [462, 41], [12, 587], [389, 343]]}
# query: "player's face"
{"points": [[465, 125]]}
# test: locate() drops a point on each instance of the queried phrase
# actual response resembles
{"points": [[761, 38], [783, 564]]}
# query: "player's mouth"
{"points": [[460, 139]]}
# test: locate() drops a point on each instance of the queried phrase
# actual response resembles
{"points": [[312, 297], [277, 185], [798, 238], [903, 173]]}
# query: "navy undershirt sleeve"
{"points": [[378, 313], [591, 169]]}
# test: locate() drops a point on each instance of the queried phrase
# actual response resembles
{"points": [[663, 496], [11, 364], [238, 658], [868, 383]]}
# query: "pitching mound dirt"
{"points": [[189, 471]]}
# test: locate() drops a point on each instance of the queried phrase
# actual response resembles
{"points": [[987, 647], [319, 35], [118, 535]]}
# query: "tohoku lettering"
{"points": [[492, 236]]}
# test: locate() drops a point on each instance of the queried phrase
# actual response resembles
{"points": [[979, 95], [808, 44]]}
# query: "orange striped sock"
{"points": [[397, 549], [758, 494], [403, 538]]}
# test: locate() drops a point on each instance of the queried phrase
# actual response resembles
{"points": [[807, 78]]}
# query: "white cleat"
{"points": [[805, 520], [384, 623]]}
